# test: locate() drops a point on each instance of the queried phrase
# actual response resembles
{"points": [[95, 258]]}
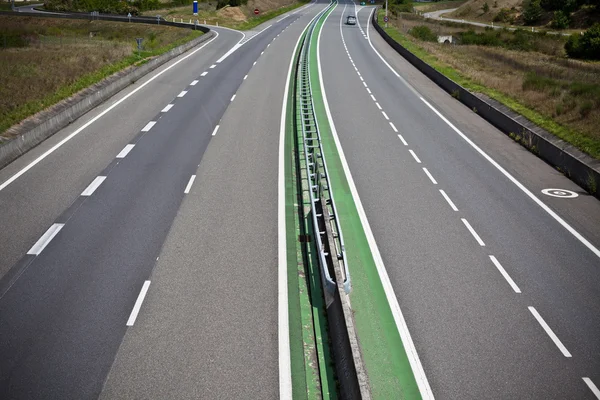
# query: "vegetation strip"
{"points": [[389, 371]]}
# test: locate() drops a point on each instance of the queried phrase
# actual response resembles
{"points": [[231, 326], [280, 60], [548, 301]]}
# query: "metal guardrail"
{"points": [[323, 209]]}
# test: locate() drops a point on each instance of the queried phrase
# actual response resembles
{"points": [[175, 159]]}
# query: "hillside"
{"points": [[512, 12]]}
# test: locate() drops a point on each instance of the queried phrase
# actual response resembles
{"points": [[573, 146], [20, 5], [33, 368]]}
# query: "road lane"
{"points": [[63, 319], [208, 327], [32, 202], [463, 315]]}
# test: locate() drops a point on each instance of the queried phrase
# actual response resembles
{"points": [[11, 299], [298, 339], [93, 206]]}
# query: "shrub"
{"points": [[488, 38], [423, 33], [485, 7], [533, 81], [585, 109], [561, 20], [396, 9], [502, 16], [586, 46], [532, 11]]}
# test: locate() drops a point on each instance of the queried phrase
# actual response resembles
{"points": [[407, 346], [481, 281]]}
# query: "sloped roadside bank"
{"points": [[35, 129], [576, 165]]}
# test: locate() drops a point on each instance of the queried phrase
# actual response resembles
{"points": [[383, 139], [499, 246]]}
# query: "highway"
{"points": [[475, 335], [140, 245]]}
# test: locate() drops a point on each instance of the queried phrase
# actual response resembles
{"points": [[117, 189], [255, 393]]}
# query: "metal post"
{"points": [[386, 12]]}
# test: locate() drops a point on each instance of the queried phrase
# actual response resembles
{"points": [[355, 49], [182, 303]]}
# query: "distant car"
{"points": [[351, 20]]}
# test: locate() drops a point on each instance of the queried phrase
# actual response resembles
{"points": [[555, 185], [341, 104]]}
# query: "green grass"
{"points": [[264, 17], [582, 142]]}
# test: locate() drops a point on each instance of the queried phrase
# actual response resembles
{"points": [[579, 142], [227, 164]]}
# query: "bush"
{"points": [[586, 108], [586, 46], [535, 82], [396, 9], [561, 20], [423, 33], [503, 15], [485, 7], [488, 38], [532, 11]]}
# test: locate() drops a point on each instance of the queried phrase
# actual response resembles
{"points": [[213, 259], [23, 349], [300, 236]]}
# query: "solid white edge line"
{"points": [[138, 304], [592, 387], [283, 328], [167, 108], [429, 176], [93, 186], [189, 185], [549, 332], [183, 93], [512, 283], [194, 82], [533, 197], [123, 153], [215, 130], [148, 126], [529, 194], [448, 200], [409, 346], [414, 156], [232, 97], [475, 235], [97, 117], [43, 241]]}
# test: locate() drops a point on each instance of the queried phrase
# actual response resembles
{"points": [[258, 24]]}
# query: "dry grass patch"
{"points": [[559, 94], [46, 60]]}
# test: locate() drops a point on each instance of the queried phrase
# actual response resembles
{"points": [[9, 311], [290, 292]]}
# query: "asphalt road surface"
{"points": [[139, 244], [476, 336]]}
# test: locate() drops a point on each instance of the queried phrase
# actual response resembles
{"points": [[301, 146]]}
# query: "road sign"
{"points": [[195, 7], [386, 19], [362, 3], [256, 11]]}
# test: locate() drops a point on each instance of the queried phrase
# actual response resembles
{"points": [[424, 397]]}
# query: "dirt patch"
{"points": [[474, 9], [232, 13]]}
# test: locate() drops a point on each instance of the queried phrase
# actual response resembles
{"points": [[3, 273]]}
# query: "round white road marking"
{"points": [[568, 194]]}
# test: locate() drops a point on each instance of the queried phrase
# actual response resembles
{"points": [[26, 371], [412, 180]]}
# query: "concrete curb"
{"points": [[37, 128], [581, 168]]}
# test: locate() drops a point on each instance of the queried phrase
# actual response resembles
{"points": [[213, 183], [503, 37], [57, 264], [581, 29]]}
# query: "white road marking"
{"points": [[125, 151], [215, 131], [369, 90], [414, 156], [385, 115], [402, 139], [194, 82], [411, 351], [396, 130], [93, 186], [148, 126], [204, 73], [183, 93], [167, 108], [378, 106], [592, 387], [429, 176], [212, 66], [283, 333], [97, 117], [138, 304], [232, 97], [361, 78], [42, 242], [245, 77], [189, 185], [262, 52], [549, 331], [512, 283], [475, 235], [373, 97], [448, 200], [268, 44], [254, 63], [556, 217]]}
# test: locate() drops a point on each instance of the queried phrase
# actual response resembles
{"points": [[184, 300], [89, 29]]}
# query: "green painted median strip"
{"points": [[388, 368]]}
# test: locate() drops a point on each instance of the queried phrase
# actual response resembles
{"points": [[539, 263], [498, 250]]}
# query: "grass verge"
{"points": [[561, 96], [48, 60]]}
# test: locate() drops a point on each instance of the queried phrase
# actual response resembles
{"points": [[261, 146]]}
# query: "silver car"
{"points": [[351, 20]]}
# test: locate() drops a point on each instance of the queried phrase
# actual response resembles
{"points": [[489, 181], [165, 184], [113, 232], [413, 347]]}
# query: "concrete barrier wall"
{"points": [[39, 127], [576, 165]]}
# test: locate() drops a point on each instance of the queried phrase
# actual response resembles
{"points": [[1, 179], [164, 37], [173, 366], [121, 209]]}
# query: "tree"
{"points": [[485, 7], [561, 20], [586, 46], [532, 12]]}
